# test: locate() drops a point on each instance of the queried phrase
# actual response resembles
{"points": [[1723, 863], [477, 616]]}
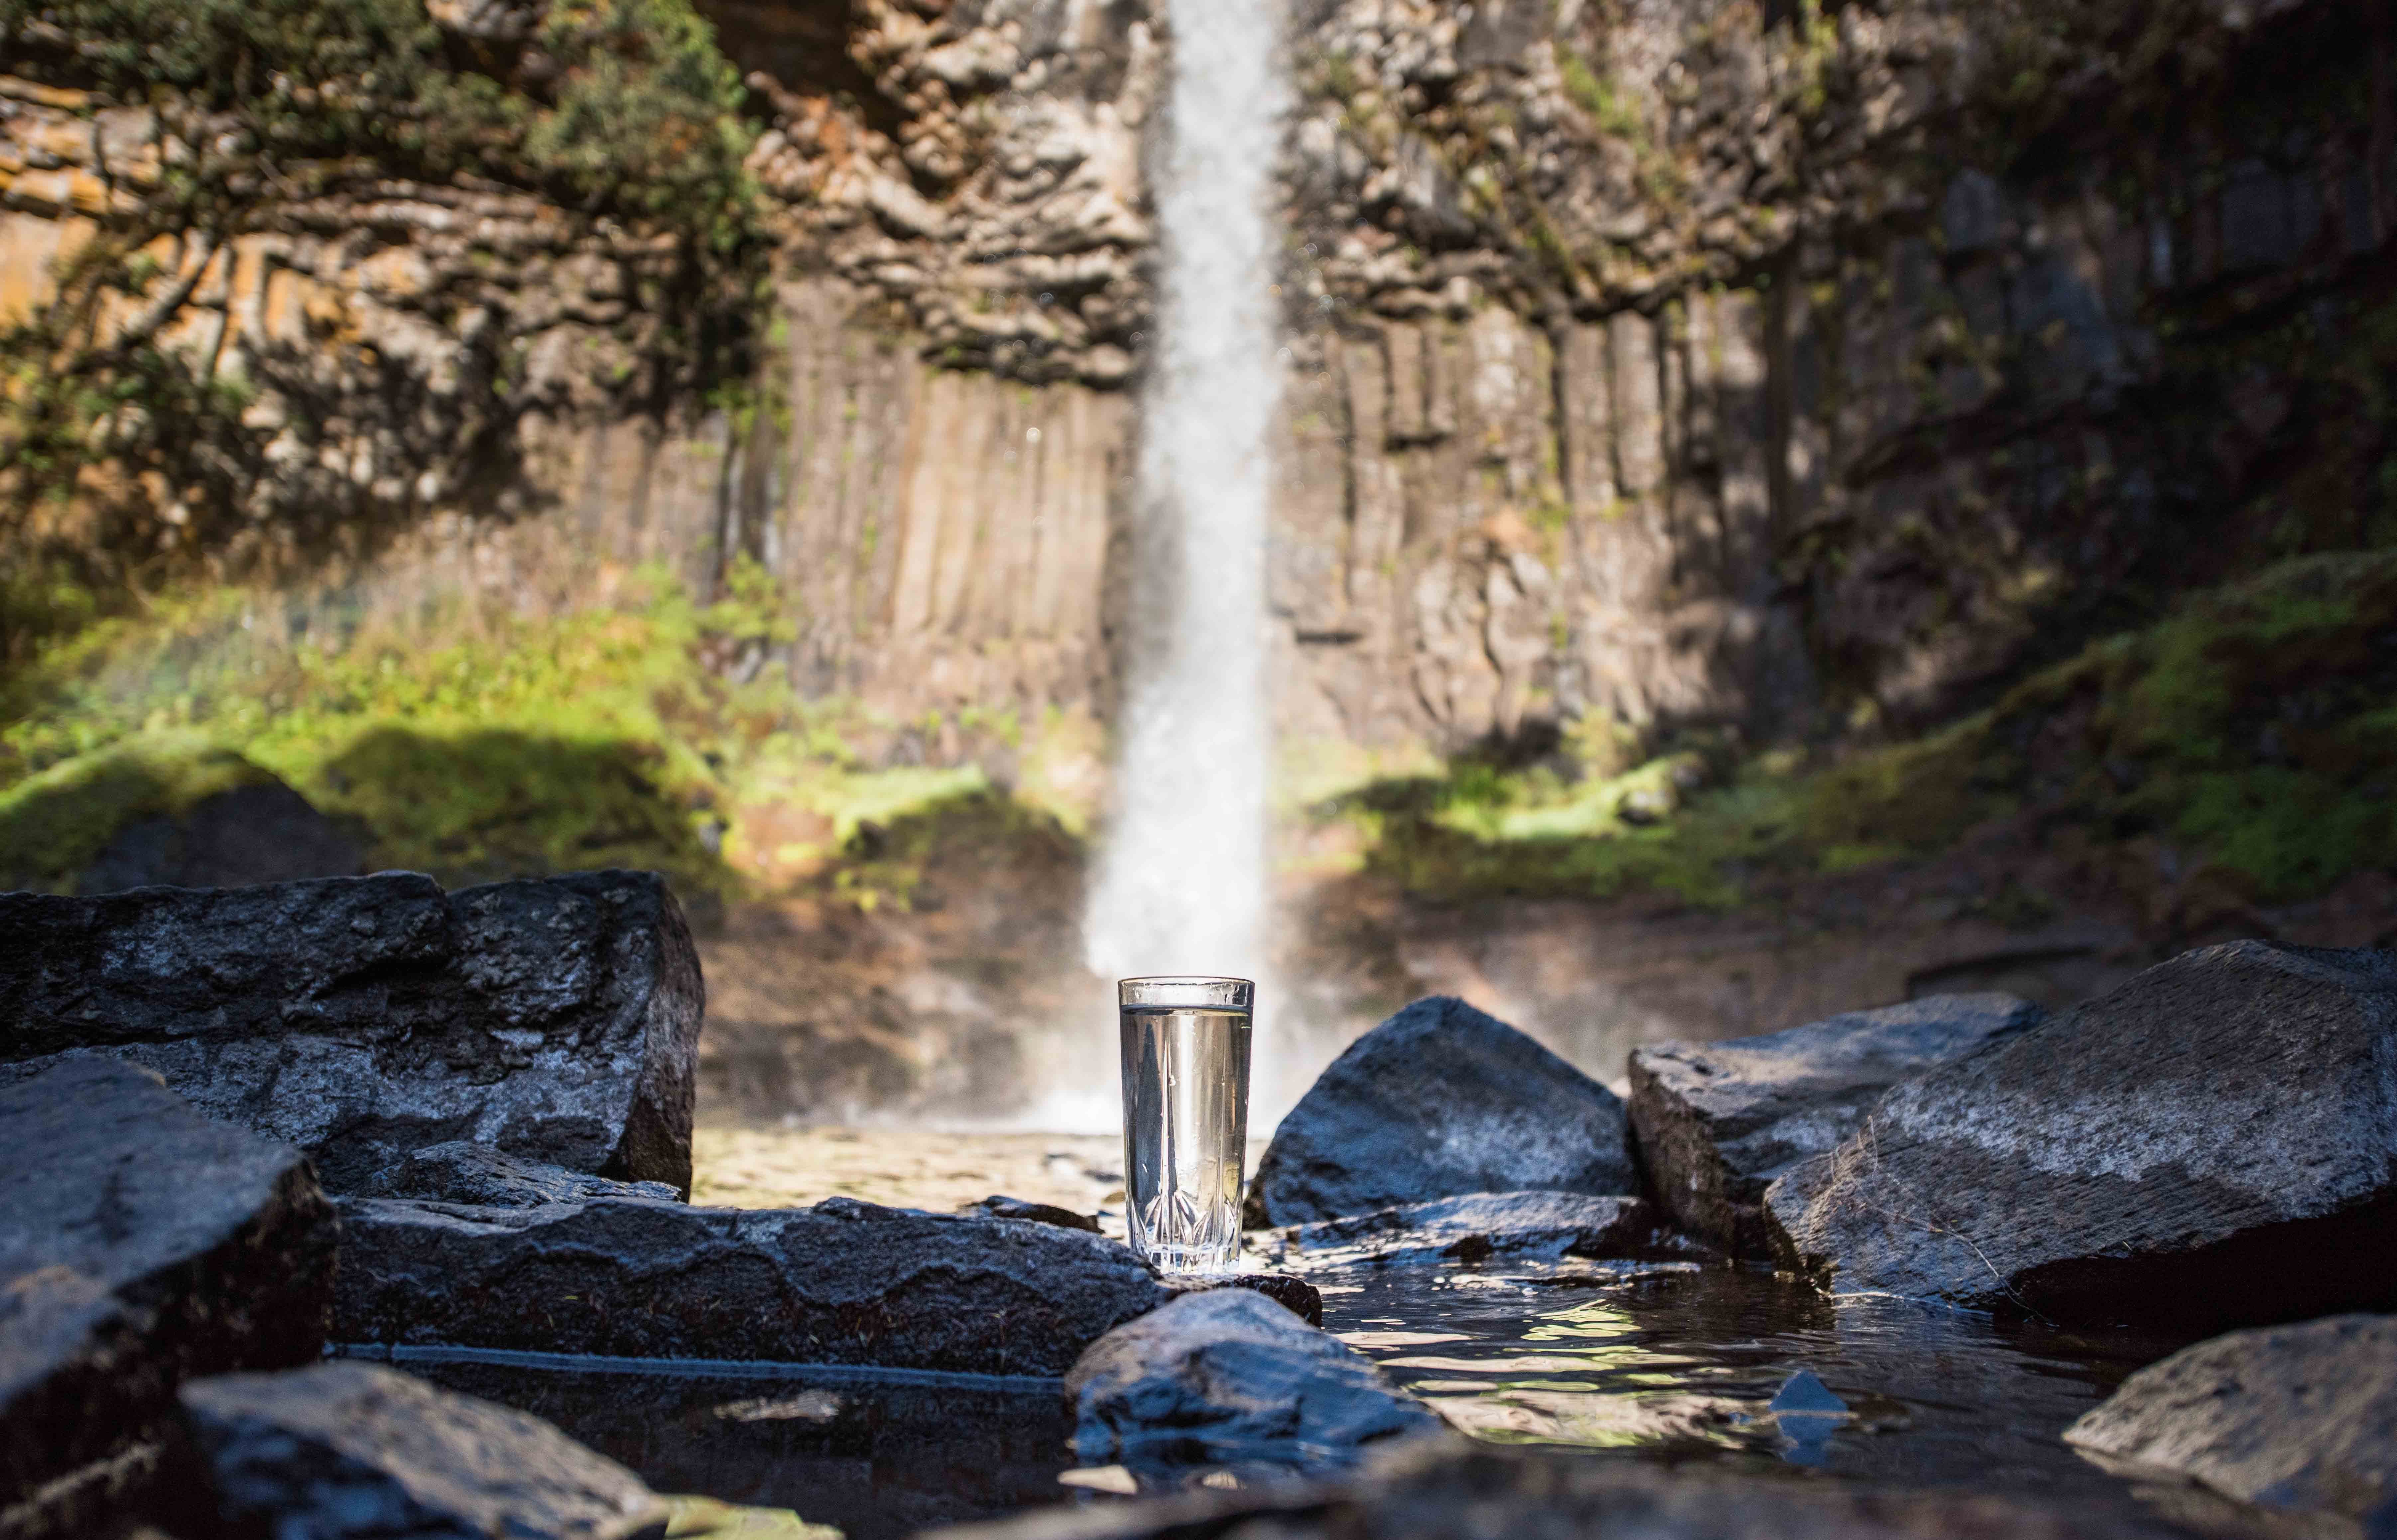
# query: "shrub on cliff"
{"points": [[263, 114]]}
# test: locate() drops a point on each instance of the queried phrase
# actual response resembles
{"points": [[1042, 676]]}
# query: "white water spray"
{"points": [[1183, 885]]}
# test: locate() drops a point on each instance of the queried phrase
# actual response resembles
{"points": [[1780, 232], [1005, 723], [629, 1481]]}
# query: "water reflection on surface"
{"points": [[1732, 1367], [1691, 1362], [877, 1460]]}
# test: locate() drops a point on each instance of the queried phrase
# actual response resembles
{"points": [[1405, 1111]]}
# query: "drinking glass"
{"points": [[1185, 1090]]}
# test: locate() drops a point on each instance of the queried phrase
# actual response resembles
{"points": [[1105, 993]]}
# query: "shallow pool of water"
{"points": [[1674, 1362], [1686, 1362]]}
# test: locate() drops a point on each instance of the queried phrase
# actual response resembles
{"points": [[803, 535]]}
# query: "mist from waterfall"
{"points": [[1182, 883]]}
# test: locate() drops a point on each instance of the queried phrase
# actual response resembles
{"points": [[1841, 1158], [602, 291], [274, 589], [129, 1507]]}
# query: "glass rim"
{"points": [[1221, 990]]}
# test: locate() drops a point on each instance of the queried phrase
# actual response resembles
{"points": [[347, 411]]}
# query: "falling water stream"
{"points": [[1181, 885]]}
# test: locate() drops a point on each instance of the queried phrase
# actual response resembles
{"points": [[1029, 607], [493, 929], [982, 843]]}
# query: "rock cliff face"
{"points": [[1665, 360]]}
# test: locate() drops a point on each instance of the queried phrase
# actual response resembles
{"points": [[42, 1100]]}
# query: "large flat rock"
{"points": [[1230, 1380], [140, 1243], [1438, 1102], [1714, 1123], [1446, 1492], [345, 1450], [361, 1018], [2211, 1144], [2298, 1418], [842, 1282]]}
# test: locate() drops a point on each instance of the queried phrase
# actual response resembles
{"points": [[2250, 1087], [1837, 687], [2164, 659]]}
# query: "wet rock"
{"points": [[2158, 1155], [1228, 1379], [487, 1177], [1000, 1207], [356, 1449], [1445, 1492], [1515, 1226], [2298, 1418], [264, 832], [361, 1018], [1714, 1123], [1438, 1102], [1295, 1294], [143, 1243], [841, 1282]]}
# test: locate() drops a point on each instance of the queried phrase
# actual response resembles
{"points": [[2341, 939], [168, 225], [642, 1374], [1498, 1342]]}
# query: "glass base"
{"points": [[1194, 1259]]}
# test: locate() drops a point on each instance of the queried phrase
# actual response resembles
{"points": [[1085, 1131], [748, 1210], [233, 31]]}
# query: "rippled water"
{"points": [[1687, 1361], [1672, 1362]]}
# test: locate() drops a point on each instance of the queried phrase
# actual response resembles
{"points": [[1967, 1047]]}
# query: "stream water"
{"points": [[1674, 1362]]}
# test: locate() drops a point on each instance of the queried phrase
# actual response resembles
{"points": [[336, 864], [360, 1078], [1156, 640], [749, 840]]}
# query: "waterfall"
{"points": [[1182, 882]]}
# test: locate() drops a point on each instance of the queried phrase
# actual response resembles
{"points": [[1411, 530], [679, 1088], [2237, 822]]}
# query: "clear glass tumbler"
{"points": [[1185, 1090]]}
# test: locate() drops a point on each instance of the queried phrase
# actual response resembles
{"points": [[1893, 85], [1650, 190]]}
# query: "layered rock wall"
{"points": [[1670, 361]]}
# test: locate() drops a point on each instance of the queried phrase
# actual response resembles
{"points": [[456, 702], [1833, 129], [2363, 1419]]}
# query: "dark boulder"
{"points": [[357, 1450], [492, 1178], [1714, 1123], [1510, 1226], [1443, 1490], [264, 832], [1227, 1379], [1295, 1294], [2297, 1418], [841, 1282], [143, 1243], [361, 1018], [1438, 1102], [2211, 1144]]}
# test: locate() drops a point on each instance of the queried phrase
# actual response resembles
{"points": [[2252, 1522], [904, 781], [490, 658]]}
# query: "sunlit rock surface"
{"points": [[1438, 1102], [2209, 1144], [1228, 1379], [1716, 1122], [1515, 1225], [489, 1177], [360, 1018], [2302, 1419], [142, 1243]]}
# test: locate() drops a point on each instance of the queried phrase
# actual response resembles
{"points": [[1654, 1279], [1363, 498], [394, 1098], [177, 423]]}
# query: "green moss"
{"points": [[510, 746], [53, 825], [2252, 726]]}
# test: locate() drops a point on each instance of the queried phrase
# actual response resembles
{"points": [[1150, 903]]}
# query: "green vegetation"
{"points": [[475, 747], [2253, 727], [1595, 95]]}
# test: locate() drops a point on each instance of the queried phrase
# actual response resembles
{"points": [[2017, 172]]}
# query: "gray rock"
{"points": [[355, 1448], [2161, 1154], [489, 1177], [2300, 1418], [842, 1282], [1295, 1294], [998, 1206], [1227, 1379], [1438, 1102], [264, 832], [140, 1243], [1517, 1226], [361, 1018], [1443, 1490], [1714, 1123]]}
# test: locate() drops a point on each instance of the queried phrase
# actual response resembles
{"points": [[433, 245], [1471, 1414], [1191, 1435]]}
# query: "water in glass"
{"points": [[1185, 1086]]}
